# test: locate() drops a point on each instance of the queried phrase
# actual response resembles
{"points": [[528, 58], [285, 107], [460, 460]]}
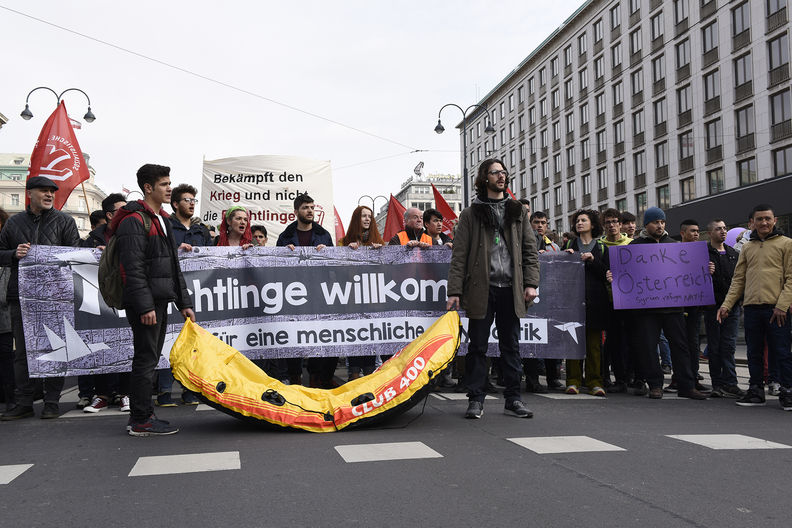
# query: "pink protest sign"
{"points": [[661, 275]]}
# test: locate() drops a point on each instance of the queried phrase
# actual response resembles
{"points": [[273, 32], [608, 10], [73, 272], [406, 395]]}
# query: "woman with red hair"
{"points": [[363, 230], [235, 229]]}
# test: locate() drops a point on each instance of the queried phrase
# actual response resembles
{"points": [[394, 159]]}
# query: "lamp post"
{"points": [[27, 114], [489, 129]]}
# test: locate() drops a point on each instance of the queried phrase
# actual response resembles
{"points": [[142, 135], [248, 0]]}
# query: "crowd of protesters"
{"points": [[494, 276]]}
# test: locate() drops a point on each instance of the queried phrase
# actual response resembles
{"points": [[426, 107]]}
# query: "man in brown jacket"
{"points": [[494, 274]]}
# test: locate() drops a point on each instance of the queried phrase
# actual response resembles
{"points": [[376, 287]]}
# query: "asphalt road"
{"points": [[83, 470]]}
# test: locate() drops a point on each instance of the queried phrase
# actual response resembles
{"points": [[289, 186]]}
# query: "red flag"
{"points": [[57, 156], [448, 213], [339, 226], [511, 193], [395, 219]]}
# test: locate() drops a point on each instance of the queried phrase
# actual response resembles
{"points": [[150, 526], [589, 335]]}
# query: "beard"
{"points": [[305, 219], [494, 187]]}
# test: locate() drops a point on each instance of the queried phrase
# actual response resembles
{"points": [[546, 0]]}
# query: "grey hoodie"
{"points": [[500, 258]]}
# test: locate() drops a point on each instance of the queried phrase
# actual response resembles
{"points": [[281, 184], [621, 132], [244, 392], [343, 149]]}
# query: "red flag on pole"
{"points": [[395, 219], [339, 226], [57, 156], [448, 213], [511, 193]]}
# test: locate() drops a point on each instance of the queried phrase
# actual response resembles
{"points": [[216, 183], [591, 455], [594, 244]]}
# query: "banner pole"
{"points": [[85, 195]]}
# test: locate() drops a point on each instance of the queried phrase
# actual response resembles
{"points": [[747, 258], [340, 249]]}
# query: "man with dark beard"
{"points": [[494, 274]]}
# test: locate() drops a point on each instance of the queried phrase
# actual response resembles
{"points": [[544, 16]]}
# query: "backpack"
{"points": [[111, 286]]}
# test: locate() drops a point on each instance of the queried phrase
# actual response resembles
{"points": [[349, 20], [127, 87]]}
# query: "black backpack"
{"points": [[110, 284]]}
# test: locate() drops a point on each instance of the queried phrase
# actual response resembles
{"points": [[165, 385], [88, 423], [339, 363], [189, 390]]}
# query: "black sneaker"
{"points": [[51, 410], [518, 409], [556, 385], [151, 427], [671, 387], [785, 399], [731, 391], [616, 388], [753, 398], [189, 398], [475, 410], [533, 385], [638, 388], [17, 413]]}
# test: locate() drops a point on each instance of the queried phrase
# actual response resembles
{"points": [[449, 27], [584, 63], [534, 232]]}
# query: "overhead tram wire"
{"points": [[209, 79]]}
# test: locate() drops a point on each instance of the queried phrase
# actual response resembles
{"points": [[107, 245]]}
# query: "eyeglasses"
{"points": [[498, 173], [190, 200]]}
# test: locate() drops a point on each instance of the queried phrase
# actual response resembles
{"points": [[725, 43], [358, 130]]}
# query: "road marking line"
{"points": [[564, 396], [77, 413], [204, 407], [388, 451], [455, 396], [729, 441], [563, 444], [9, 473], [194, 463]]}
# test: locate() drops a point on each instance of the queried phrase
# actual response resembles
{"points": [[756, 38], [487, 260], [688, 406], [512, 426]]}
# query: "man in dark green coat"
{"points": [[493, 275]]}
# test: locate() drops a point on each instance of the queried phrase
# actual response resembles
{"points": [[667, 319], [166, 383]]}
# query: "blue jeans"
{"points": [[664, 350], [779, 344], [721, 344]]}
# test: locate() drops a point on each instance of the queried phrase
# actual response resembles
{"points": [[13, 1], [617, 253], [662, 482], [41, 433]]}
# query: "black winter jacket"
{"points": [[50, 228], [149, 265], [319, 236], [598, 300], [97, 237], [721, 279]]}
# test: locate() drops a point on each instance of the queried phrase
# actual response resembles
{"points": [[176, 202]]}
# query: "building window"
{"points": [[661, 154], [546, 201], [545, 170], [745, 121], [511, 102], [542, 107], [743, 72], [715, 181], [635, 5], [601, 141], [640, 204], [602, 178], [532, 116], [619, 171], [559, 195], [741, 18], [638, 122], [660, 111], [688, 189], [680, 10], [512, 158], [556, 95], [511, 130], [599, 67], [582, 44], [584, 114], [774, 6], [635, 41], [557, 131], [584, 149], [636, 81], [709, 37], [534, 204], [531, 86], [683, 53], [782, 162], [778, 51], [15, 199], [684, 99], [598, 31], [522, 151], [779, 107], [583, 75], [616, 55], [746, 171], [714, 134], [568, 55], [542, 76], [502, 108], [571, 193], [621, 204], [618, 132], [639, 163], [712, 85], [521, 123], [554, 67], [657, 26], [569, 91], [663, 197], [522, 180], [533, 175], [586, 180], [599, 102], [658, 68], [570, 122], [520, 94], [615, 17], [570, 154], [503, 136], [618, 93], [685, 145]]}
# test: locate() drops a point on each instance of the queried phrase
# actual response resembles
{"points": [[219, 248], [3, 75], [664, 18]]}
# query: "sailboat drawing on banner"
{"points": [[70, 348]]}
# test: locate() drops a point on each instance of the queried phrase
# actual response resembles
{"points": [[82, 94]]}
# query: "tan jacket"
{"points": [[468, 275], [763, 273]]}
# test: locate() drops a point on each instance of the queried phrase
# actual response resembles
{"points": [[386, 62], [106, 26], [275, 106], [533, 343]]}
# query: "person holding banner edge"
{"points": [[493, 275]]}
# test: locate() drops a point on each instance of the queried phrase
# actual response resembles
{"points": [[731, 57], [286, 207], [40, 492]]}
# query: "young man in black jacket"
{"points": [[40, 223], [152, 279]]}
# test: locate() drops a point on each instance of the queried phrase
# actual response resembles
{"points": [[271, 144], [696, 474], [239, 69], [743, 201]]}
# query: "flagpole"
{"points": [[85, 195]]}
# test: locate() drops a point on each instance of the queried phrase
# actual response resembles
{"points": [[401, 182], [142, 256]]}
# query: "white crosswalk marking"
{"points": [[563, 444], [9, 473], [204, 407], [458, 396], [729, 441], [194, 463], [564, 396], [388, 451]]}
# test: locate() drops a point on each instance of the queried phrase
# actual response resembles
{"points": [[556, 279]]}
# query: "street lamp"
{"points": [[489, 129], [27, 114]]}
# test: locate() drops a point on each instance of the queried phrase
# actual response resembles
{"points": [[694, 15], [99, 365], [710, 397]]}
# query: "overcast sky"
{"points": [[382, 67]]}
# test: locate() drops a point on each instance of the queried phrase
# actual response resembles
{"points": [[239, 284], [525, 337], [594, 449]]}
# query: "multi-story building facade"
{"points": [[13, 174], [680, 104], [416, 191]]}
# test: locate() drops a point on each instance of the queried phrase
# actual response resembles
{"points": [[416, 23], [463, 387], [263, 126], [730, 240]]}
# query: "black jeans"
{"points": [[616, 352], [692, 328], [7, 367], [500, 307], [148, 341], [646, 334], [24, 385]]}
